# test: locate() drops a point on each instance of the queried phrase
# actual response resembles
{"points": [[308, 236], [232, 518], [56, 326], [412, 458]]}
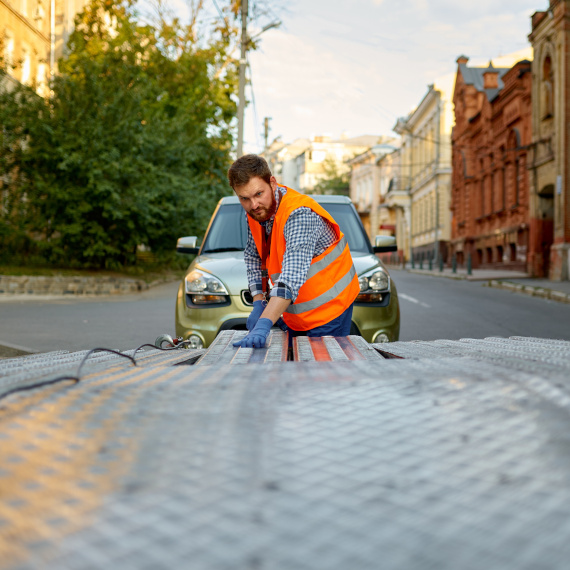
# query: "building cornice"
{"points": [[430, 98], [25, 21]]}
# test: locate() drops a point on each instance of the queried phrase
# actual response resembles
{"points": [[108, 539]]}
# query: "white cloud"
{"points": [[358, 66]]}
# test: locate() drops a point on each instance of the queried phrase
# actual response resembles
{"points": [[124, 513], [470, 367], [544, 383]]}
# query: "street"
{"points": [[439, 308], [431, 308], [120, 322]]}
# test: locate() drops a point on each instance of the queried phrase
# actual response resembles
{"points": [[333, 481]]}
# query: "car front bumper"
{"points": [[207, 321]]}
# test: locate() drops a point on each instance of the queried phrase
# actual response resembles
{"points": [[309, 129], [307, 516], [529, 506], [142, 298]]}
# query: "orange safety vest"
{"points": [[331, 285]]}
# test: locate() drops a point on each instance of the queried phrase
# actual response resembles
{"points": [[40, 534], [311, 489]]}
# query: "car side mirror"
{"points": [[384, 244], [187, 245]]}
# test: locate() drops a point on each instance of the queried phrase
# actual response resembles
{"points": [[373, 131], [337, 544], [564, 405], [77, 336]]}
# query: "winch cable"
{"points": [[77, 377]]}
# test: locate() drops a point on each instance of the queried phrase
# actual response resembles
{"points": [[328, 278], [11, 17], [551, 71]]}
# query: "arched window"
{"points": [[482, 188], [514, 166], [547, 88]]}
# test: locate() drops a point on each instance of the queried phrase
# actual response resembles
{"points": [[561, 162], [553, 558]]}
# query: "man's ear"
{"points": [[273, 183]]}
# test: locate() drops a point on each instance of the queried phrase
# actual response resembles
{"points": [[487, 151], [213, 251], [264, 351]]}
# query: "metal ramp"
{"points": [[441, 456], [303, 349]]}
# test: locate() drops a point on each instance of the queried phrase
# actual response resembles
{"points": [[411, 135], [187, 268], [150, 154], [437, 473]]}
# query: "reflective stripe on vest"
{"points": [[327, 259], [325, 297]]}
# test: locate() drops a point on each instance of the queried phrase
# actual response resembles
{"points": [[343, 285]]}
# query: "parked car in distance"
{"points": [[214, 294]]}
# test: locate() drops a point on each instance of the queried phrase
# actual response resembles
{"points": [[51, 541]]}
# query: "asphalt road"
{"points": [[440, 308], [431, 308], [118, 322]]}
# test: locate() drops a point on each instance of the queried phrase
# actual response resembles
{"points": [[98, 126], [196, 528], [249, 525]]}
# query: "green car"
{"points": [[214, 295]]}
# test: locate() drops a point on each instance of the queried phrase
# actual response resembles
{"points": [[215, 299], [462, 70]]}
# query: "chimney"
{"points": [[490, 78], [462, 59]]}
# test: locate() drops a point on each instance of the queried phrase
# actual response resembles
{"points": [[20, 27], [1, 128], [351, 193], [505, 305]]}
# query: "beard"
{"points": [[263, 214]]}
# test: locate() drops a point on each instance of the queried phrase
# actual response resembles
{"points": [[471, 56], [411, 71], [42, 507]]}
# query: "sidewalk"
{"points": [[514, 281]]}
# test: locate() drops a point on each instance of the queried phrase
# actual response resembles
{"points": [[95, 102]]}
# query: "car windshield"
{"points": [[228, 231]]}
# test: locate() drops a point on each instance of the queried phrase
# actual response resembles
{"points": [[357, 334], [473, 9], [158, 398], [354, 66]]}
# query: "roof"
{"points": [[475, 76]]}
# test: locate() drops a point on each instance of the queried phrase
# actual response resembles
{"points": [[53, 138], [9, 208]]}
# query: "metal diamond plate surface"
{"points": [[453, 462], [222, 350]]}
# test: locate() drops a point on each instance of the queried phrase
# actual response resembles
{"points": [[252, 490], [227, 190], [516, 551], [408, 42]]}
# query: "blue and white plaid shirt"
{"points": [[307, 235]]}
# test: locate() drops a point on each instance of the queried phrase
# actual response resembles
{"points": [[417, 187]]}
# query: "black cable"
{"points": [[179, 345], [77, 376], [39, 384], [93, 350]]}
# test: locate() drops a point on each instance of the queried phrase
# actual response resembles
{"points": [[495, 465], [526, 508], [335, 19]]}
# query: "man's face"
{"points": [[258, 198]]}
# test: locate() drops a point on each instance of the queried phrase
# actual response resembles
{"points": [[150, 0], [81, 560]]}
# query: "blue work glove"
{"points": [[257, 337], [258, 307]]}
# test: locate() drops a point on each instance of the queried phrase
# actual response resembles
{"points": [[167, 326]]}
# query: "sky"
{"points": [[352, 67]]}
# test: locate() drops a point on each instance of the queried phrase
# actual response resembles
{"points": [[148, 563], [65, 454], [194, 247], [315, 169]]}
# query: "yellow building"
{"points": [[371, 173], [324, 152], [426, 170], [34, 34], [395, 211]]}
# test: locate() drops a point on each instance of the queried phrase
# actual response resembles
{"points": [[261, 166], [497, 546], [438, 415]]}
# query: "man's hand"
{"points": [[258, 307], [258, 336]]}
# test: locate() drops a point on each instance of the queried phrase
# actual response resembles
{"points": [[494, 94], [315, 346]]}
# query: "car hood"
{"points": [[229, 267]]}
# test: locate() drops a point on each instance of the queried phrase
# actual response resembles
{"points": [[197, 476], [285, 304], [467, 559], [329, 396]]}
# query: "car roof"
{"points": [[320, 198]]}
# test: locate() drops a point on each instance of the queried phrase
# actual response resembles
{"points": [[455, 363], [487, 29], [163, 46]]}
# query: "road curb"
{"points": [[540, 292], [498, 283], [35, 286]]}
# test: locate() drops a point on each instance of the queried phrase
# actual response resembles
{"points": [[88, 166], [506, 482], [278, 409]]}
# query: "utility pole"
{"points": [[242, 65], [265, 131]]}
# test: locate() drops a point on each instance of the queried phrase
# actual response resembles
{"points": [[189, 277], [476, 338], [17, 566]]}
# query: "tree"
{"points": [[335, 180], [133, 146]]}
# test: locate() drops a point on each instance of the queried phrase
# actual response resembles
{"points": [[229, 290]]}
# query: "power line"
{"points": [[255, 117], [220, 12]]}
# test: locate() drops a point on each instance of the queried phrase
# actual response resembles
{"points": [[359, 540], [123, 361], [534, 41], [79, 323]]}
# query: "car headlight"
{"points": [[373, 285], [205, 289]]}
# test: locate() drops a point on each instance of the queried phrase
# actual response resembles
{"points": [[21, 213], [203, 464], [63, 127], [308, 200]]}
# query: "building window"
{"points": [[492, 205], [318, 156], [41, 80], [26, 65], [38, 15], [503, 188], [482, 188], [24, 5], [9, 51], [517, 181], [547, 88]]}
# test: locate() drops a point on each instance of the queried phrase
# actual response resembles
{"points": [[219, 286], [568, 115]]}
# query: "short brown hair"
{"points": [[247, 167]]}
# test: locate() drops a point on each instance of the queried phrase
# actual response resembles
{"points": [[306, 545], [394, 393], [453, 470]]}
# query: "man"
{"points": [[297, 243]]}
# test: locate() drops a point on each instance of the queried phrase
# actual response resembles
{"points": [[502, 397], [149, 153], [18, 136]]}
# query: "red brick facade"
{"points": [[490, 182]]}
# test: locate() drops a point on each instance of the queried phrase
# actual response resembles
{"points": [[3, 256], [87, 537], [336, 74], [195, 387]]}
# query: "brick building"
{"points": [[549, 160], [490, 183]]}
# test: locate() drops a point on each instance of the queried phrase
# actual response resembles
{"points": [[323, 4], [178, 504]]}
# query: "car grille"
{"points": [[246, 297]]}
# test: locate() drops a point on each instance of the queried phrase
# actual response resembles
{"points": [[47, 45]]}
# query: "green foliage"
{"points": [[132, 148], [335, 180]]}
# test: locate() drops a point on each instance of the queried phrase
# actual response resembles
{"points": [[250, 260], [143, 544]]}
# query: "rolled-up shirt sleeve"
{"points": [[302, 232], [252, 265]]}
